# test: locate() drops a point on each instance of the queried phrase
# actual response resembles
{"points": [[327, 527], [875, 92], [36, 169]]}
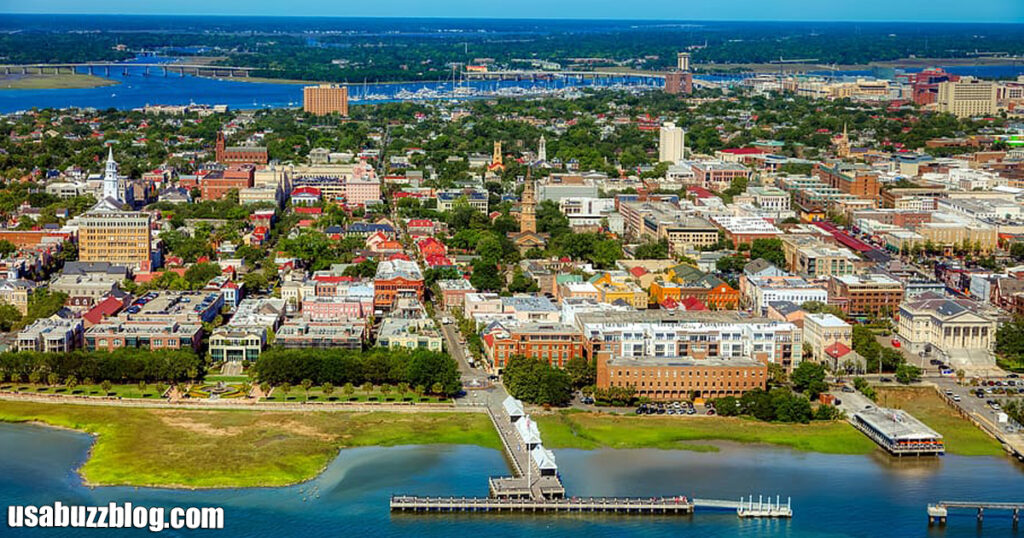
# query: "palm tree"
{"points": [[71, 382], [265, 388], [52, 378], [35, 377], [160, 389], [960, 374], [327, 389], [306, 385], [437, 388], [403, 388]]}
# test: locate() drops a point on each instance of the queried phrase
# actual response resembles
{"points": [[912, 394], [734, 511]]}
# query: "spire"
{"points": [[110, 154]]}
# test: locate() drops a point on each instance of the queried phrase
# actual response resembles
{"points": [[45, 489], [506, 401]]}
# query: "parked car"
{"points": [[895, 343]]}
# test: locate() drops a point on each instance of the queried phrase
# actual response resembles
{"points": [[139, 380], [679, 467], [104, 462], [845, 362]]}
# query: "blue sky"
{"points": [[821, 10]]}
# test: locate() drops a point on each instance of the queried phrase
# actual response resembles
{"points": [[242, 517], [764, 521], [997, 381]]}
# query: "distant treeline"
{"points": [[119, 366], [418, 368]]}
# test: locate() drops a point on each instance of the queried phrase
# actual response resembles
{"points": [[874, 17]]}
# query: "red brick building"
{"points": [[678, 83], [553, 342], [215, 186], [662, 378], [239, 154]]}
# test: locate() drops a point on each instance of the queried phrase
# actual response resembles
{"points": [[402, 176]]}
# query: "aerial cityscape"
{"points": [[424, 269]]}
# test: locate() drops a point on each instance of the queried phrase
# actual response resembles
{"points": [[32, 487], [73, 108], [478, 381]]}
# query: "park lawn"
{"points": [[960, 435], [123, 391], [206, 449], [211, 379], [63, 81], [590, 430]]}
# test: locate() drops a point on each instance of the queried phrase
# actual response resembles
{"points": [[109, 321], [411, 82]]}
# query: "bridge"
{"points": [[938, 512], [106, 68]]}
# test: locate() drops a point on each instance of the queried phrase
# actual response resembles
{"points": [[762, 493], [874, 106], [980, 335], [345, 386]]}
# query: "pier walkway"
{"points": [[938, 512]]}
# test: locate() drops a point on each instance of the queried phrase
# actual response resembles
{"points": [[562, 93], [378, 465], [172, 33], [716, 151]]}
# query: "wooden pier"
{"points": [[535, 485], [938, 512], [619, 505]]}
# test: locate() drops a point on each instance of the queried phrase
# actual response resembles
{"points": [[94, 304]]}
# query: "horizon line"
{"points": [[457, 17]]}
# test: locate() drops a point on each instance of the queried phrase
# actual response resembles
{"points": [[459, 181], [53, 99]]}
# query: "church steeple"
{"points": [[528, 207], [110, 179]]}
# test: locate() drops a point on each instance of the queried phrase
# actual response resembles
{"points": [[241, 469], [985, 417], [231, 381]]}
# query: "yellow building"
{"points": [[968, 97], [952, 234], [15, 293], [117, 237]]}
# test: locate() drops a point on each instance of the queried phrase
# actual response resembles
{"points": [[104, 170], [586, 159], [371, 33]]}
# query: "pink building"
{"points": [[363, 186]]}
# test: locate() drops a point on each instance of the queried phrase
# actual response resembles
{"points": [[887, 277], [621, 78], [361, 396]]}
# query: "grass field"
{"points": [[588, 430], [961, 437], [123, 391], [63, 81], [201, 449]]}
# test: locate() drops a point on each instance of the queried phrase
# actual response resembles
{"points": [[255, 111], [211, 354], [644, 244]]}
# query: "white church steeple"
{"points": [[111, 188]]}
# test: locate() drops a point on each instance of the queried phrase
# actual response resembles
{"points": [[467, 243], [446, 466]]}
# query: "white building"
{"points": [[671, 145]]}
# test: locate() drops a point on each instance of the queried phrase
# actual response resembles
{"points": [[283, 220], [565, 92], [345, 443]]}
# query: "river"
{"points": [[135, 89], [862, 496]]}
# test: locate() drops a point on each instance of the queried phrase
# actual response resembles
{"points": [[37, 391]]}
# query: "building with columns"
{"points": [[950, 327]]}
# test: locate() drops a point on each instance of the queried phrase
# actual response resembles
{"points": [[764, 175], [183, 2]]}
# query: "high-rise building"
{"points": [[968, 97], [117, 237], [678, 82], [325, 99], [671, 143], [683, 61]]}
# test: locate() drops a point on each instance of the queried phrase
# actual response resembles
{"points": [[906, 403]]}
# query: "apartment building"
{"points": [[867, 295], [968, 97], [695, 335], [553, 342], [681, 378], [336, 334], [117, 237], [117, 334], [762, 290], [324, 99], [51, 335]]}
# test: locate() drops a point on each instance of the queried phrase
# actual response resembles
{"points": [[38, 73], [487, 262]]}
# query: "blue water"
{"points": [[832, 495], [136, 90]]}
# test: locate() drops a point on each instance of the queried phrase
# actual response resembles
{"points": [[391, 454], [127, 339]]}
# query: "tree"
{"points": [[521, 283], [6, 247], [161, 389], [385, 389], [485, 276], [201, 273], [908, 373], [9, 316], [105, 386], [437, 388], [348, 389], [537, 381], [52, 379], [730, 264], [285, 388], [776, 373], [71, 382], [306, 384], [327, 389], [34, 377], [809, 377], [768, 249], [142, 387], [581, 372], [818, 307], [652, 251], [367, 387]]}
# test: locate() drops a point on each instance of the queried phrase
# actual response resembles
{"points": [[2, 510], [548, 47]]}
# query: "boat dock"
{"points": [[535, 485], [938, 512]]}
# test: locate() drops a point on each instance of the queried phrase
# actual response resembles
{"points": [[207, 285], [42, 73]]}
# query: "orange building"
{"points": [[681, 378], [325, 99], [859, 181]]}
